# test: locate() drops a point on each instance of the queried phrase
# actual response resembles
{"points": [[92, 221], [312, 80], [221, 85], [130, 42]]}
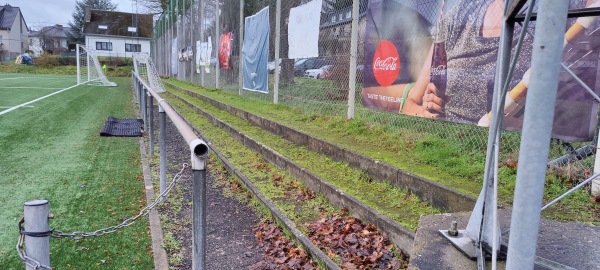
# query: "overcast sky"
{"points": [[39, 13]]}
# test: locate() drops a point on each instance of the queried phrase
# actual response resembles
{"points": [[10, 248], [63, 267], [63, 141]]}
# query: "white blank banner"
{"points": [[303, 30]]}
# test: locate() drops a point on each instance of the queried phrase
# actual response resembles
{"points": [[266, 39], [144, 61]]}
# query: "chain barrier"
{"points": [[78, 235]]}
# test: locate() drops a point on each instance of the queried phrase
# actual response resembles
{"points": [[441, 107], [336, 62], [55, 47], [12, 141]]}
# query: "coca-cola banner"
{"points": [[437, 59]]}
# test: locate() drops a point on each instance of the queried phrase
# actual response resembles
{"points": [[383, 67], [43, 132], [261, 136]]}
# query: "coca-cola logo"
{"points": [[386, 63]]}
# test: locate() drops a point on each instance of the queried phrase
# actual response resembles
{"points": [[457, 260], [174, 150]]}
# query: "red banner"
{"points": [[225, 50]]}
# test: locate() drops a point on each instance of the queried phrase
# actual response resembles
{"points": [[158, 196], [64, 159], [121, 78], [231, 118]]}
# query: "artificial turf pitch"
{"points": [[51, 149]]}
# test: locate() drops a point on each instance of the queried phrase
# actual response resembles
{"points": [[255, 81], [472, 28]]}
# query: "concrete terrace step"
{"points": [[435, 194], [402, 237]]}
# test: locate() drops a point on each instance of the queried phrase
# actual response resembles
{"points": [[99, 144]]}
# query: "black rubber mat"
{"points": [[122, 127]]}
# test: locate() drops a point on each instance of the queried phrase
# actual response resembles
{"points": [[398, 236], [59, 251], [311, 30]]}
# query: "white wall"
{"points": [[12, 39], [118, 45]]}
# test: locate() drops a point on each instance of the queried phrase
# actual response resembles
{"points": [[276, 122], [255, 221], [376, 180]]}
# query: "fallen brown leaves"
{"points": [[356, 245], [280, 253]]}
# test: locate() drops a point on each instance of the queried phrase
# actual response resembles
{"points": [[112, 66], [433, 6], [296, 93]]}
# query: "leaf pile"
{"points": [[280, 252], [356, 245]]}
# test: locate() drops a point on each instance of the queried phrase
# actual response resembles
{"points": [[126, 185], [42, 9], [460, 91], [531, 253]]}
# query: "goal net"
{"points": [[144, 67], [89, 70]]}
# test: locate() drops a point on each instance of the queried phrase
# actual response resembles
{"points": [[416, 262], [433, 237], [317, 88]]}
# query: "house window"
{"points": [[348, 14], [132, 29], [333, 18], [133, 47], [104, 46], [341, 16], [102, 26]]}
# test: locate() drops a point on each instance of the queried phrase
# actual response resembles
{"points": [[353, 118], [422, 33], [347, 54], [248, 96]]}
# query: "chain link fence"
{"points": [[321, 84]]}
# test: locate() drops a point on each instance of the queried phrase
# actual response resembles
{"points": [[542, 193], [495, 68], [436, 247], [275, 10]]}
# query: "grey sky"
{"points": [[39, 13]]}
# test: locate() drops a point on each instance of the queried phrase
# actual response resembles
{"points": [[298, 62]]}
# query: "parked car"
{"points": [[310, 63], [318, 73], [271, 65]]}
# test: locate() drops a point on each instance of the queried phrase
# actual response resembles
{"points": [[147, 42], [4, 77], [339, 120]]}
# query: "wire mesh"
{"points": [[318, 83]]}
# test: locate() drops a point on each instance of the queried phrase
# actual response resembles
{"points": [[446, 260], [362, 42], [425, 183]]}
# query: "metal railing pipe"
{"points": [[198, 155], [198, 148]]}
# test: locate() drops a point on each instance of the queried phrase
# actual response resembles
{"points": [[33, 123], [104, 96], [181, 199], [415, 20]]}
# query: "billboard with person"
{"points": [[437, 59]]}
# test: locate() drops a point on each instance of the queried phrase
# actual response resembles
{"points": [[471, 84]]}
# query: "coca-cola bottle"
{"points": [[438, 69]]}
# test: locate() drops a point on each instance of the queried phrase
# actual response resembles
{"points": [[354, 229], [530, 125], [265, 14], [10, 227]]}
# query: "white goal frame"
{"points": [[89, 70]]}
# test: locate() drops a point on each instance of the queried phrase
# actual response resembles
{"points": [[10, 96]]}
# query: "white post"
{"points": [[277, 48], [78, 64], [241, 59], [217, 42], [353, 56], [202, 39], [596, 182]]}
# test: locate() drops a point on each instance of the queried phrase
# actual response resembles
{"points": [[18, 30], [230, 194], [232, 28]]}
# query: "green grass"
{"points": [[16, 89], [392, 202], [53, 151], [448, 153], [11, 67]]}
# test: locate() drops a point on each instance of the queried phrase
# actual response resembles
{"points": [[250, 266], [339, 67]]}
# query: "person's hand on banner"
{"points": [[431, 102]]}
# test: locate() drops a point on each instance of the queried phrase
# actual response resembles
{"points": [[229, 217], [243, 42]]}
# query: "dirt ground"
{"points": [[231, 243]]}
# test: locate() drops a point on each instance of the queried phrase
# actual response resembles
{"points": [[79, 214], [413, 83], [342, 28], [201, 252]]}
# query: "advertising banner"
{"points": [[225, 50], [303, 30], [204, 50], [255, 52], [437, 59]]}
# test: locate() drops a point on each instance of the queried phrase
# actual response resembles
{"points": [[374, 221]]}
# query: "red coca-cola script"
{"points": [[386, 63]]}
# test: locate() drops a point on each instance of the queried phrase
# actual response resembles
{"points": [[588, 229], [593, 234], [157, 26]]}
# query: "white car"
{"points": [[318, 73]]}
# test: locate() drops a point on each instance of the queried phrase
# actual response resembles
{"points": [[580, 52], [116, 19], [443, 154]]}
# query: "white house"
{"points": [[50, 39], [117, 34], [13, 32]]}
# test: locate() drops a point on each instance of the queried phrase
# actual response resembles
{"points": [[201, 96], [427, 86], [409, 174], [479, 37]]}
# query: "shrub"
{"points": [[47, 60]]}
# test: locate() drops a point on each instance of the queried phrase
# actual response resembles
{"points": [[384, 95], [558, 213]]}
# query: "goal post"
{"points": [[144, 67], [89, 70]]}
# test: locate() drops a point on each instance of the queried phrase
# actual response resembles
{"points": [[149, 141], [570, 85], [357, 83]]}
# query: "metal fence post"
{"points": [[537, 127], [217, 42], [144, 108], [151, 125], [36, 220], [199, 152], [353, 59], [162, 141], [277, 44], [202, 38], [240, 57], [199, 220]]}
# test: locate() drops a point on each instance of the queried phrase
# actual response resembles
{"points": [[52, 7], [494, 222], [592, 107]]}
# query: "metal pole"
{"points": [[277, 45], [537, 128], [151, 124], [162, 125], [144, 108], [202, 39], [353, 56], [217, 42], [36, 220], [199, 219], [192, 40], [241, 59]]}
